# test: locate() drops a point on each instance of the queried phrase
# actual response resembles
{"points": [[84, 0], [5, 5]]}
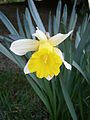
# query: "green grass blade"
{"points": [[8, 24], [68, 100], [35, 15]]}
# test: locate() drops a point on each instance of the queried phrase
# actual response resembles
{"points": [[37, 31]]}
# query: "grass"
{"points": [[18, 101]]}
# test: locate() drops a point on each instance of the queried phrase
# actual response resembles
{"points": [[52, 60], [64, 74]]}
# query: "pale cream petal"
{"points": [[22, 46], [49, 77], [67, 65], [58, 51], [40, 35], [59, 38], [26, 70], [89, 4]]}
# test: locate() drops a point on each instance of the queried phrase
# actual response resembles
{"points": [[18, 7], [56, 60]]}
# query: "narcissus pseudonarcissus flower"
{"points": [[47, 58]]}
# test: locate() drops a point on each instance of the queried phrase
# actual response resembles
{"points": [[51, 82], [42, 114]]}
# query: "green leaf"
{"points": [[84, 25], [50, 24], [57, 18], [81, 105], [40, 93], [20, 61], [64, 16], [28, 17], [26, 26], [82, 44], [35, 15], [7, 53], [78, 38], [79, 69], [8, 24], [5, 38], [68, 100], [20, 25], [73, 17], [50, 96]]}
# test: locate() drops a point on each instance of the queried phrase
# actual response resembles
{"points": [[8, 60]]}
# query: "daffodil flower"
{"points": [[47, 59]]}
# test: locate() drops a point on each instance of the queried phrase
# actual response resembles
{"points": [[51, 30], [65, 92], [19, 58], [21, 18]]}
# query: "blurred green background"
{"points": [[10, 1]]}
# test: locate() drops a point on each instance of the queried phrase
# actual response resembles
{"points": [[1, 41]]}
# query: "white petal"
{"points": [[26, 70], [59, 38], [89, 4], [59, 53], [22, 46], [67, 65], [40, 35], [49, 77]]}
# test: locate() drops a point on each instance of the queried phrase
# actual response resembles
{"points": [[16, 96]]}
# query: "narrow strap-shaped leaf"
{"points": [[20, 61], [35, 15], [28, 17], [84, 25], [72, 18], [68, 100], [81, 105], [50, 95], [54, 25], [54, 97], [78, 38], [8, 24], [82, 44], [20, 25], [5, 38], [38, 81], [50, 24], [64, 16], [74, 24], [39, 93], [7, 53], [80, 70], [26, 26], [15, 37], [58, 16]]}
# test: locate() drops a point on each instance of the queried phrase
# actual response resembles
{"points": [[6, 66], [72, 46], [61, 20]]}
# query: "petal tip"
{"points": [[26, 71], [67, 65], [49, 77]]}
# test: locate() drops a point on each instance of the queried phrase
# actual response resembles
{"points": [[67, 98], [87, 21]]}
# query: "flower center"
{"points": [[45, 45]]}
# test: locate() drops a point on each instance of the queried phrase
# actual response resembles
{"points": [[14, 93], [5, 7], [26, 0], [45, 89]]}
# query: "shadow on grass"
{"points": [[18, 101]]}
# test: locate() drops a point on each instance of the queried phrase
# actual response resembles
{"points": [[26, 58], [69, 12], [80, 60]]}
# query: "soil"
{"points": [[10, 11]]}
